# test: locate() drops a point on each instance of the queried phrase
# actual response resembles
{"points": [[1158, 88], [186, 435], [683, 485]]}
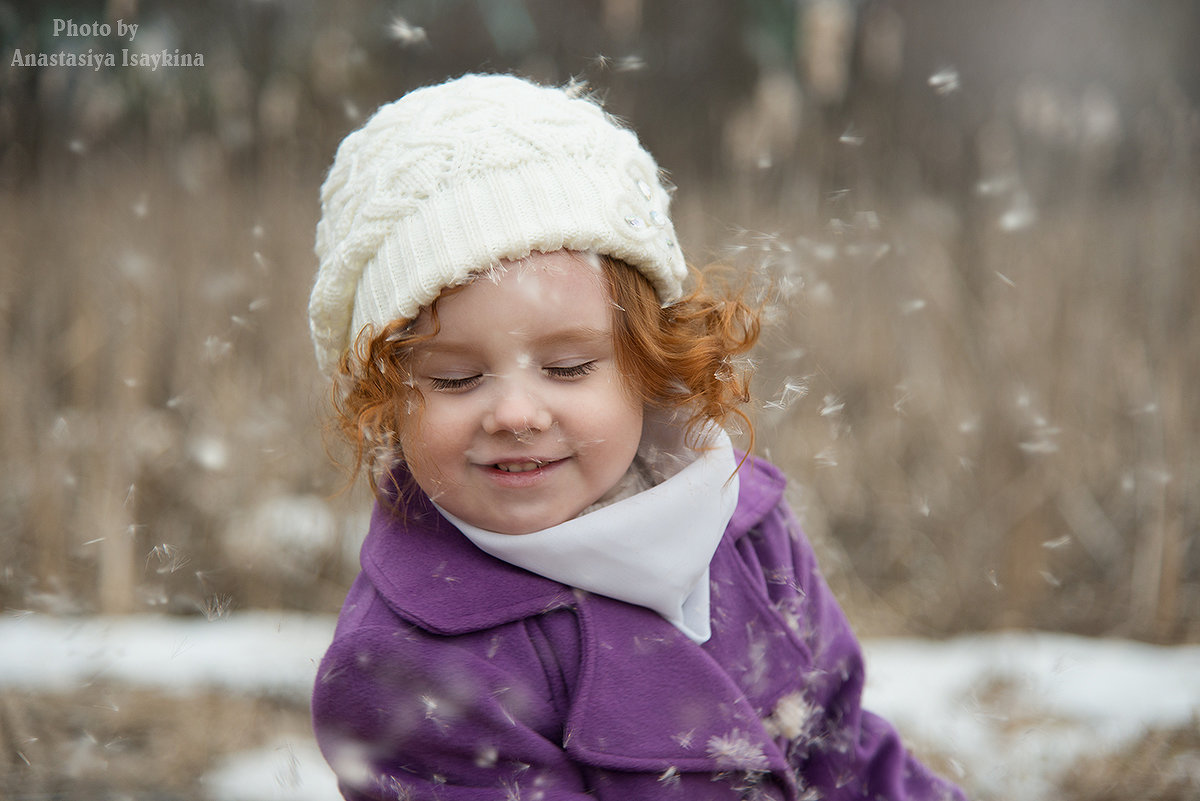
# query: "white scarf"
{"points": [[651, 548]]}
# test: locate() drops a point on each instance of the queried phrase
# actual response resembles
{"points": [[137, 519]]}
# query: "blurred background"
{"points": [[975, 227]]}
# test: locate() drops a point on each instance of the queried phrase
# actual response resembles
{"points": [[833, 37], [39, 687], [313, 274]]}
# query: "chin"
{"points": [[529, 524]]}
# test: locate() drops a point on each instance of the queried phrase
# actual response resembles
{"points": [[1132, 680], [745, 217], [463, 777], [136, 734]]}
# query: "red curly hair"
{"points": [[675, 357]]}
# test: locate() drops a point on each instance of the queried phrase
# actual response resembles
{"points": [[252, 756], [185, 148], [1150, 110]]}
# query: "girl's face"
{"points": [[526, 419]]}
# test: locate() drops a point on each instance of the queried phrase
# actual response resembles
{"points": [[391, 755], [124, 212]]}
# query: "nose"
{"points": [[515, 409]]}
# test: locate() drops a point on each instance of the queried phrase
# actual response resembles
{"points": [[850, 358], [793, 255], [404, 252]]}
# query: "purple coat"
{"points": [[453, 675]]}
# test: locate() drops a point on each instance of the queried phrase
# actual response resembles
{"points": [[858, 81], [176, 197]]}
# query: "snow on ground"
{"points": [[1016, 709], [1011, 709]]}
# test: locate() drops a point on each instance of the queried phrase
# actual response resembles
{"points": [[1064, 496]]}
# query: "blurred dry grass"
{"points": [[1006, 441], [112, 742], [1163, 766], [981, 370], [158, 388]]}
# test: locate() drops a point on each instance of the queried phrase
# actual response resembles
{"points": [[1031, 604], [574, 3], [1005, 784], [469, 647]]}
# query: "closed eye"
{"points": [[573, 371], [454, 384]]}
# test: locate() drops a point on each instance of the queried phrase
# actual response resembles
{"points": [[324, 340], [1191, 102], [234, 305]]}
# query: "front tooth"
{"points": [[522, 467]]}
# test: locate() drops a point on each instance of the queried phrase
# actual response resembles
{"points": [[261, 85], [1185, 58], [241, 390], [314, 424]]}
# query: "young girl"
{"points": [[573, 587]]}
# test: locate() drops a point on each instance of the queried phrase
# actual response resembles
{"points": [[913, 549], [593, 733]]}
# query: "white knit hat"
{"points": [[450, 179]]}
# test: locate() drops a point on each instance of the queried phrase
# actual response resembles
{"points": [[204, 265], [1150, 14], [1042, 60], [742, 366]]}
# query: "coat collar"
{"points": [[472, 590], [432, 575]]}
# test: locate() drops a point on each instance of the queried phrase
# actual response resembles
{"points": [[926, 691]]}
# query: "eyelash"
{"points": [[454, 384], [462, 384], [574, 371]]}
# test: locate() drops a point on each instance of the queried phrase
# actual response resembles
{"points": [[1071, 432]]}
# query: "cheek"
{"points": [[625, 398], [413, 426]]}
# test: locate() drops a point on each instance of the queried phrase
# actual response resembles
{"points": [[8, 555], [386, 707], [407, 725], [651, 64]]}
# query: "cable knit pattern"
{"points": [[451, 179]]}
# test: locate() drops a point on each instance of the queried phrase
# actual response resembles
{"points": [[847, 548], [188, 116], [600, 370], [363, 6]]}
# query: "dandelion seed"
{"points": [[257, 231], [487, 756], [684, 738], [155, 596], [831, 406], [824, 251], [1039, 446], [670, 777], [393, 785], [912, 306], [851, 138], [630, 63], [945, 81], [1057, 543], [406, 33], [216, 607], [1049, 578], [575, 87], [258, 304], [1159, 475], [827, 457], [736, 750], [438, 573], [994, 186], [77, 146], [261, 261], [1020, 215], [793, 390], [209, 452], [794, 717], [170, 558], [1006, 279], [95, 541], [140, 207], [216, 349]]}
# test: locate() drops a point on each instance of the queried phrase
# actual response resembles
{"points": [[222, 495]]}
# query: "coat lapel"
{"points": [[649, 699], [432, 575]]}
